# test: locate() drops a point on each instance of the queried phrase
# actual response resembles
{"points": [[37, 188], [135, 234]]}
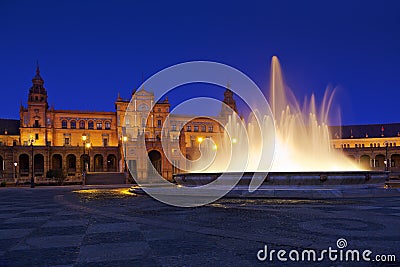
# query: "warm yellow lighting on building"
{"points": [[84, 137], [200, 139], [88, 145], [234, 141], [215, 147], [125, 138]]}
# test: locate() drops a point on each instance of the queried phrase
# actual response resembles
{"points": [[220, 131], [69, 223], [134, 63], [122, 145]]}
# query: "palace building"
{"points": [[46, 142], [67, 142]]}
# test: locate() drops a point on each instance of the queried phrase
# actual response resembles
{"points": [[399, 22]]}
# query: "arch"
{"points": [[155, 160], [56, 162], [23, 164], [38, 164], [81, 124], [85, 162], [365, 162], [380, 161], [64, 124], [395, 161], [73, 124], [90, 125], [107, 125], [71, 164], [98, 163], [111, 163]]}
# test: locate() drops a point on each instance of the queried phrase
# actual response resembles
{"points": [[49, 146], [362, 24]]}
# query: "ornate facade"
{"points": [[68, 141]]}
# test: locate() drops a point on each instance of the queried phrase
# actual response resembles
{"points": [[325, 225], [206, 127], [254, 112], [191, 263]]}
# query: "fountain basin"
{"points": [[322, 179], [307, 185]]}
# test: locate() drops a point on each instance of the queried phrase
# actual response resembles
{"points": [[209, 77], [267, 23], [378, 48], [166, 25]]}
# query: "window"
{"points": [[196, 128], [108, 125], [173, 127], [210, 129], [189, 128], [99, 125], [73, 124], [159, 110], [105, 142], [64, 124], [203, 128], [363, 145], [356, 145], [81, 125], [370, 145], [90, 125], [36, 136], [36, 125], [379, 145], [158, 123], [14, 142], [66, 141]]}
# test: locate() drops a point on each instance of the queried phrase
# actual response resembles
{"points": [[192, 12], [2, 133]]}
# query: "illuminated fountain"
{"points": [[301, 140], [289, 148]]}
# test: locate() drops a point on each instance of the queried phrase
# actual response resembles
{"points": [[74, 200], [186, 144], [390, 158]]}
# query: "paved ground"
{"points": [[68, 226]]}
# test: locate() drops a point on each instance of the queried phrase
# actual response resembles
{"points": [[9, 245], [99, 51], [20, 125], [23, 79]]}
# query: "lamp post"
{"points": [[88, 145], [84, 137], [124, 140], [32, 140], [386, 161], [15, 170]]}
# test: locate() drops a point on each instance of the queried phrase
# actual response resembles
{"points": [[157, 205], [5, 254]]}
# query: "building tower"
{"points": [[33, 118], [229, 102]]}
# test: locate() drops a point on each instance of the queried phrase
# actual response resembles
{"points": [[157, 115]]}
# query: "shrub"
{"points": [[3, 184]]}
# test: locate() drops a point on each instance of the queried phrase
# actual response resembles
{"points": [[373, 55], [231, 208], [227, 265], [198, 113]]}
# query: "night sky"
{"points": [[88, 52]]}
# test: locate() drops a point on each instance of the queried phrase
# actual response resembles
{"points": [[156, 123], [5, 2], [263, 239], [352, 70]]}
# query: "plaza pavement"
{"points": [[102, 226]]}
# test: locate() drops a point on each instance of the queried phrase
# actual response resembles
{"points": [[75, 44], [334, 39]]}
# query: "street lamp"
{"points": [[124, 140], [15, 170], [88, 145], [84, 138], [31, 141], [386, 161]]}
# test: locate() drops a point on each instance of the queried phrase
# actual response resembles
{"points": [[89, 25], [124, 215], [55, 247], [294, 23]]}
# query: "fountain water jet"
{"points": [[301, 138]]}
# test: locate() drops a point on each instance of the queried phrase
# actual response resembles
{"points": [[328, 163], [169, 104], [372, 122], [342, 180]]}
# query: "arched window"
{"points": [[64, 124], [203, 128], [73, 124], [90, 125], [108, 125], [81, 124], [99, 125]]}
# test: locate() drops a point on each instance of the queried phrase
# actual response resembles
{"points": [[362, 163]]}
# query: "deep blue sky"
{"points": [[89, 51]]}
